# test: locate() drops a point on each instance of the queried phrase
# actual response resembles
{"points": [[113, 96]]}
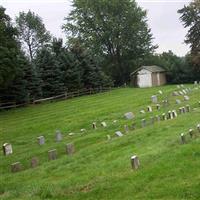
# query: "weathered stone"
{"points": [[7, 149], [83, 130], [170, 116], [52, 154], [183, 110], [58, 136], [186, 98], [129, 115], [174, 114], [183, 141], [178, 101], [175, 93], [158, 118], [180, 110], [165, 103], [158, 106], [143, 123], [149, 108], [118, 133], [164, 117], [191, 132], [94, 125], [34, 162], [198, 127], [187, 108], [160, 92], [16, 167], [41, 140], [70, 149], [154, 99], [103, 124], [135, 163], [71, 134], [142, 111]]}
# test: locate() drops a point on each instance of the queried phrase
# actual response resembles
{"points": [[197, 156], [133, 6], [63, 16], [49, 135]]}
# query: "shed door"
{"points": [[144, 80]]}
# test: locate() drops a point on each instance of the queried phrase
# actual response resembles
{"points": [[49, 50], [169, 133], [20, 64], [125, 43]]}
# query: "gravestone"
{"points": [[195, 82], [175, 93], [94, 125], [52, 154], [83, 130], [182, 86], [174, 114], [16, 167], [34, 162], [183, 141], [180, 92], [178, 86], [160, 92], [135, 163], [183, 110], [178, 101], [149, 108], [129, 115], [198, 127], [187, 108], [7, 149], [70, 149], [154, 99], [143, 123], [118, 133], [191, 132], [184, 91], [180, 110], [71, 134], [186, 98], [41, 140], [114, 121], [142, 111], [170, 116], [158, 106], [158, 118], [126, 128], [103, 124], [108, 137], [58, 136], [164, 117], [165, 103]]}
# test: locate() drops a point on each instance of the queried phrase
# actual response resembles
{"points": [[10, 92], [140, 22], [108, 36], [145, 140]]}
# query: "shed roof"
{"points": [[153, 68]]}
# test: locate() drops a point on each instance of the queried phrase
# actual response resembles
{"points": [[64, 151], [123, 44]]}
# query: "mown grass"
{"points": [[100, 169]]}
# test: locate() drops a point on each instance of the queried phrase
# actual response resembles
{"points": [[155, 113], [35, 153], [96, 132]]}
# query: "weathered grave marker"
{"points": [[183, 110], [52, 154], [41, 140], [164, 117], [34, 162], [175, 93], [135, 163], [154, 99], [7, 149], [129, 115], [149, 108], [174, 114], [71, 134], [83, 130], [16, 167], [198, 127], [70, 149], [94, 125], [183, 141], [186, 98], [187, 108], [142, 111], [158, 118], [191, 132], [160, 92], [103, 124], [178, 101], [158, 106], [58, 136], [118, 133]]}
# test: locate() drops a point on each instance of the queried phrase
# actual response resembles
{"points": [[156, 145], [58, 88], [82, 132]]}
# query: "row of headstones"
{"points": [[52, 155], [191, 133]]}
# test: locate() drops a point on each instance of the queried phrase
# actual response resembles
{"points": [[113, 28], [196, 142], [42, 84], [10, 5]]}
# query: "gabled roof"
{"points": [[153, 68]]}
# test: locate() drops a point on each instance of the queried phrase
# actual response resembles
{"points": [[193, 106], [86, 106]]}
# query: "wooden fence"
{"points": [[66, 95]]}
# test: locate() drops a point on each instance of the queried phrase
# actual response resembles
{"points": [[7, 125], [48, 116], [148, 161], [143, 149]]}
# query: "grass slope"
{"points": [[101, 169]]}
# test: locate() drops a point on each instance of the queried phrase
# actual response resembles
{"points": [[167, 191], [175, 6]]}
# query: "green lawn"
{"points": [[101, 169]]}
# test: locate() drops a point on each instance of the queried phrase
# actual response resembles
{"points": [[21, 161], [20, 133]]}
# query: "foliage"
{"points": [[32, 32], [114, 30]]}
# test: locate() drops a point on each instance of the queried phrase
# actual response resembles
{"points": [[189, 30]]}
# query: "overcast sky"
{"points": [[162, 18]]}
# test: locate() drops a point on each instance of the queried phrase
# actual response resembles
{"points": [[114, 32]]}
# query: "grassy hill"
{"points": [[101, 169]]}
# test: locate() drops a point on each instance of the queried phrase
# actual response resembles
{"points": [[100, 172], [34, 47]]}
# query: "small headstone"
{"points": [[182, 86], [143, 123], [183, 110], [158, 118], [180, 110], [142, 111], [118, 133], [71, 134], [114, 121], [170, 116], [198, 127], [182, 138], [191, 132], [41, 140], [195, 82], [108, 137], [187, 108], [34, 162], [135, 163], [83, 130], [94, 125], [178, 101], [126, 128], [180, 92], [164, 117], [186, 98], [184, 91], [154, 99], [103, 124], [52, 154], [174, 114], [16, 167], [178, 86], [158, 106], [160, 92], [165, 103], [129, 115], [149, 108], [7, 149], [58, 136], [175, 93], [70, 149]]}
